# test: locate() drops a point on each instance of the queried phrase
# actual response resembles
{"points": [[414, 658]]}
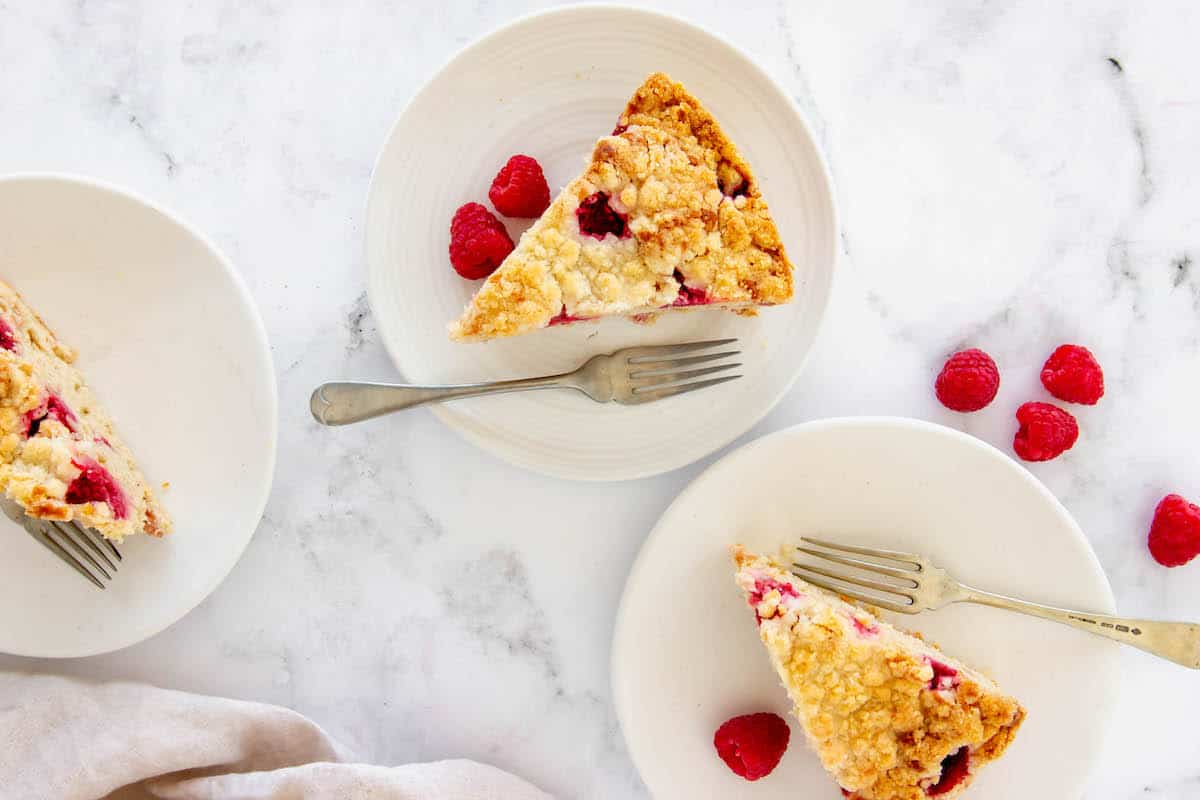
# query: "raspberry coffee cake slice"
{"points": [[60, 458], [667, 215], [890, 716]]}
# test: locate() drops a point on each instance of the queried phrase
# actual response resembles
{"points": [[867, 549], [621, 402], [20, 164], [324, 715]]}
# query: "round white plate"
{"points": [[170, 340], [549, 86], [686, 654]]}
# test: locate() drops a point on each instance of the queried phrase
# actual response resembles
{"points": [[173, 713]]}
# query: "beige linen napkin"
{"points": [[71, 740]]}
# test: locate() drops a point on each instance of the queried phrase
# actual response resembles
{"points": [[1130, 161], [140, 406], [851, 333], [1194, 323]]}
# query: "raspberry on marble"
{"points": [[1046, 431], [1073, 374], [968, 381], [1175, 532]]}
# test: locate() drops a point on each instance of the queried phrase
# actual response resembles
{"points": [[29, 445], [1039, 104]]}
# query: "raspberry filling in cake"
{"points": [[763, 587], [689, 296], [597, 218], [51, 408], [955, 769], [95, 484], [563, 318], [732, 182], [8, 339], [944, 676], [863, 628], [890, 716]]}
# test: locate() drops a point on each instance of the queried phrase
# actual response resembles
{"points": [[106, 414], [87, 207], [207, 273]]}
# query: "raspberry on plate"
{"points": [[968, 381], [1045, 432], [478, 242], [752, 744], [520, 190], [1073, 374], [1175, 531]]}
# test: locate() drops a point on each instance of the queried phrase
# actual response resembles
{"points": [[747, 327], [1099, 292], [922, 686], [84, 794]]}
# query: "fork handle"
{"points": [[1174, 641], [346, 402]]}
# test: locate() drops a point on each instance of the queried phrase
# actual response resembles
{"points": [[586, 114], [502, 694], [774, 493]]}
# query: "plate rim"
{"points": [[467, 431], [261, 343], [617, 654]]}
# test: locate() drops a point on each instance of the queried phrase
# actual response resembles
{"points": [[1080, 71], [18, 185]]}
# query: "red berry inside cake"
{"points": [[667, 215], [890, 716], [60, 458]]}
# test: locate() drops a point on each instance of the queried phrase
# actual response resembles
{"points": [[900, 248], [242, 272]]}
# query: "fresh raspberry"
{"points": [[1175, 531], [968, 382], [519, 189], [478, 242], [752, 744], [1073, 374], [1046, 432]]}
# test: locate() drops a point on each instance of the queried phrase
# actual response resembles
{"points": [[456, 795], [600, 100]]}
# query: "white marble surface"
{"points": [[1003, 183]]}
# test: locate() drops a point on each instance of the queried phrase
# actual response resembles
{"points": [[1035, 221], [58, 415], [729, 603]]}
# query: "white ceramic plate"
{"points": [[549, 86], [172, 344], [686, 655]]}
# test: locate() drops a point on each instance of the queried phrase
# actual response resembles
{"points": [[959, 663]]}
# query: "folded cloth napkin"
{"points": [[71, 740]]}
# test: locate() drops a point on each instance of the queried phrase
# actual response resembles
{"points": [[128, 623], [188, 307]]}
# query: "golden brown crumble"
{"points": [[866, 700], [692, 208]]}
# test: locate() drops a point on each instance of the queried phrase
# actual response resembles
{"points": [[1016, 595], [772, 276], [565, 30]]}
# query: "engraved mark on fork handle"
{"points": [[1112, 625]]}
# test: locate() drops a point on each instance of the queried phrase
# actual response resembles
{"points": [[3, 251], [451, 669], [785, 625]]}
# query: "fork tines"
{"points": [[894, 590], [82, 549], [662, 371]]}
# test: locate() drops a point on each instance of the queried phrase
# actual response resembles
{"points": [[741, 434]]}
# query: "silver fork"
{"points": [[631, 376], [83, 549], [913, 584]]}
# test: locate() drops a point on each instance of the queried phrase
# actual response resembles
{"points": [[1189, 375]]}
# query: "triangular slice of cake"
{"points": [[890, 716], [666, 215], [60, 458]]}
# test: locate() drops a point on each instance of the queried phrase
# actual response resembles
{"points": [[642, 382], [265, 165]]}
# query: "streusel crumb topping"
{"points": [[891, 717], [683, 214]]}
